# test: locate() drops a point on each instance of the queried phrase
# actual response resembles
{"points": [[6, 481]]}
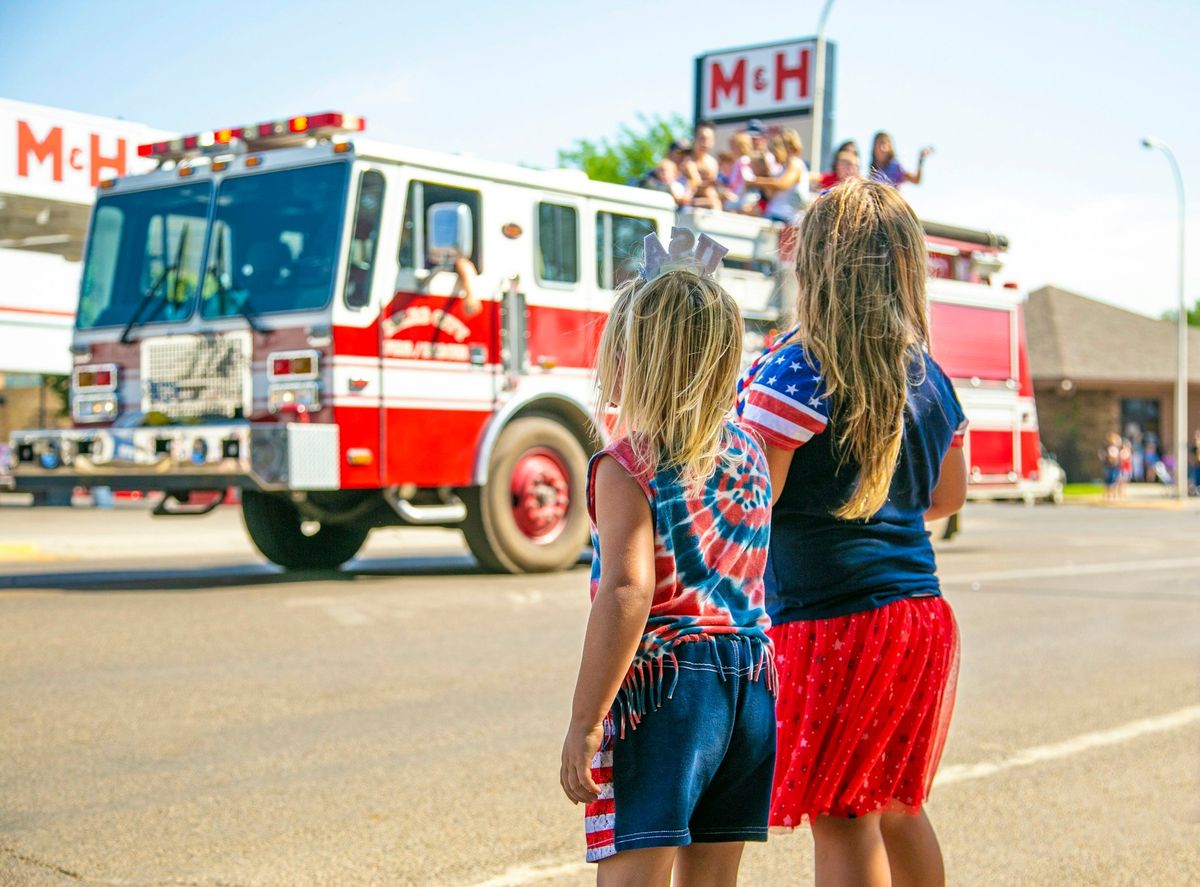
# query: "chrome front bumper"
{"points": [[296, 456]]}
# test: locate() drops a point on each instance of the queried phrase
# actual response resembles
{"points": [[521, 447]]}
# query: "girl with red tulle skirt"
{"points": [[863, 436]]}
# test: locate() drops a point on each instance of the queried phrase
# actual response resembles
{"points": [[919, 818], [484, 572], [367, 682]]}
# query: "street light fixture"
{"points": [[1181, 378]]}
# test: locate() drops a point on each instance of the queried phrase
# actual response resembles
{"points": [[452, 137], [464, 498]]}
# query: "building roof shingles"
{"points": [[1073, 337]]}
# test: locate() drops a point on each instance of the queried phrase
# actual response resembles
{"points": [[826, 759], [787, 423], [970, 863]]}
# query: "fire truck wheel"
{"points": [[276, 528], [531, 516]]}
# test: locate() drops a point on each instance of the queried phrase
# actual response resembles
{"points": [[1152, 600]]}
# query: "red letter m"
{"points": [[727, 86], [50, 147]]}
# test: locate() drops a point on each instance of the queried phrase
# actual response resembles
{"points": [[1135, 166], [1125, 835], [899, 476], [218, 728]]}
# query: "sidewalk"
{"points": [[1143, 496]]}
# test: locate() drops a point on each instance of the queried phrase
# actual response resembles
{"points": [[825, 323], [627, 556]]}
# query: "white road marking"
{"points": [[516, 876], [1073, 746], [1178, 563]]}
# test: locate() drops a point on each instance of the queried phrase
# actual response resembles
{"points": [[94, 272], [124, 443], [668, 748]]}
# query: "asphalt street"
{"points": [[175, 712]]}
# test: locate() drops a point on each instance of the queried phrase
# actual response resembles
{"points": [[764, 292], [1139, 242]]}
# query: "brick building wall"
{"points": [[1073, 425], [28, 402]]}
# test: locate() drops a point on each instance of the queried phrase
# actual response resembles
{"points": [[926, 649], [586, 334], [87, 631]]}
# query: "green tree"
{"points": [[1193, 315], [634, 152], [60, 387]]}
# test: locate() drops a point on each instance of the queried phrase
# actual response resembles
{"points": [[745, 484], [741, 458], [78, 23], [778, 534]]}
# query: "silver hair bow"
{"points": [[701, 255]]}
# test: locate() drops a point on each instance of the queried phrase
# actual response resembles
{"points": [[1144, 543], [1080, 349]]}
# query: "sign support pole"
{"points": [[816, 155]]}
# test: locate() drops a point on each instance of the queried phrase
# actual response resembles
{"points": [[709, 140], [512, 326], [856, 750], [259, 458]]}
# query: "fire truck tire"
{"points": [[274, 526], [531, 516]]}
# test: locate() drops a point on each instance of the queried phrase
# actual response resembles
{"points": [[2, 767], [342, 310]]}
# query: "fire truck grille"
{"points": [[196, 376]]}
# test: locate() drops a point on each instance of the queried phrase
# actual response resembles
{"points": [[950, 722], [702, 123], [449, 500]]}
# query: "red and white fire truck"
{"points": [[279, 309]]}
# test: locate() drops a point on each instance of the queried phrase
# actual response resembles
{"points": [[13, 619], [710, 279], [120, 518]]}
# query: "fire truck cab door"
{"points": [[435, 342]]}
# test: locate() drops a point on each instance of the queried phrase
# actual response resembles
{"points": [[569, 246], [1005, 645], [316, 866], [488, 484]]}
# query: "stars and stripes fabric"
{"points": [[783, 400], [960, 434], [599, 817]]}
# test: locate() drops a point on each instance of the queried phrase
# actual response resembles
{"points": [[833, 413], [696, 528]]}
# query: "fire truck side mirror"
{"points": [[448, 233]]}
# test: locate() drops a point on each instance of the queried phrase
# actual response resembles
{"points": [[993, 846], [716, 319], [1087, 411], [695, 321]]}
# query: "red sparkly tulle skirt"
{"points": [[863, 708]]}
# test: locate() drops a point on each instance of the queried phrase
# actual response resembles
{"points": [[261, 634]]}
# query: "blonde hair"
{"points": [[861, 267], [741, 144], [786, 143], [669, 361]]}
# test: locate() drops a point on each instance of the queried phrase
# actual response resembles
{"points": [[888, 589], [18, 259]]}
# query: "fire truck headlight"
{"points": [[95, 408], [295, 394]]}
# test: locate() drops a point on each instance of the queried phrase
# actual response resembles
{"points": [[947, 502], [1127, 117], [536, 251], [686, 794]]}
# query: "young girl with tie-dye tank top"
{"points": [[671, 742]]}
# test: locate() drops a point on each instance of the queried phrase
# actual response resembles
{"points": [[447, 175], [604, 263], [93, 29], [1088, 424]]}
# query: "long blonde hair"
{"points": [[861, 314], [786, 144], [669, 361]]}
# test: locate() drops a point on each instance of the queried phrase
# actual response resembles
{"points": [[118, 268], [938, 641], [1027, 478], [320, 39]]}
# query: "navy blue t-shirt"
{"points": [[820, 566]]}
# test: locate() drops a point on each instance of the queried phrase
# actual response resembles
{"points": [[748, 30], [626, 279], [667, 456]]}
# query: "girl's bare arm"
{"points": [[951, 490], [617, 620], [778, 462]]}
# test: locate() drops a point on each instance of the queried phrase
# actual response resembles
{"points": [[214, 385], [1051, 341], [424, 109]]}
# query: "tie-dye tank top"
{"points": [[710, 550]]}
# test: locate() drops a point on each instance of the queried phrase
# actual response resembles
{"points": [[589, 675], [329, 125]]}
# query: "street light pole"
{"points": [[1181, 379], [818, 106]]}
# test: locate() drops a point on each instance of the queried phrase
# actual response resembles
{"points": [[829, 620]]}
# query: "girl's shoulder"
{"points": [[790, 362], [795, 350], [635, 463], [936, 375], [741, 442], [625, 455], [784, 400]]}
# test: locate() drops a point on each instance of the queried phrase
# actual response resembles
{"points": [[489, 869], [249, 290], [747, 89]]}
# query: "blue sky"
{"points": [[1035, 108]]}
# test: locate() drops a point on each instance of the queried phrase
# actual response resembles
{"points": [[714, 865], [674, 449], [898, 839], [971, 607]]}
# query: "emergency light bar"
{"points": [[274, 134]]}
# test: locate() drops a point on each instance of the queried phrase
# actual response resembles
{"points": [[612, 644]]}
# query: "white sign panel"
{"points": [[37, 311], [62, 155], [757, 81]]}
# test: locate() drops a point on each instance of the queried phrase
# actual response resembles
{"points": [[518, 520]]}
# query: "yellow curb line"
{"points": [[26, 551]]}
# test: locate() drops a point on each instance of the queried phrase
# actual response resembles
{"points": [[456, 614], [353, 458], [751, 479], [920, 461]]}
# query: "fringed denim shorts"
{"points": [[696, 768]]}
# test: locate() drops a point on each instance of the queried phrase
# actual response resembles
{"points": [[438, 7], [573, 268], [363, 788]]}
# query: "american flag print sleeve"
{"points": [[960, 434], [784, 402]]}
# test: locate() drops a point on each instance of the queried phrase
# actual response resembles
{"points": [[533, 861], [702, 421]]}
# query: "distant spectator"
{"points": [[727, 174], [679, 153], [762, 162], [682, 154], [666, 177], [788, 192], [845, 166], [698, 165], [742, 183], [703, 144], [1110, 456], [1151, 461], [1134, 434], [1195, 450], [886, 168], [1126, 463]]}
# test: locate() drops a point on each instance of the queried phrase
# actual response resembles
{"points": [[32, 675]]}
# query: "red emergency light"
{"points": [[259, 136]]}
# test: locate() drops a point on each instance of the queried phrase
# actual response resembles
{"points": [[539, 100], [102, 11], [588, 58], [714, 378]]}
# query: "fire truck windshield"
{"points": [[274, 241], [144, 253]]}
